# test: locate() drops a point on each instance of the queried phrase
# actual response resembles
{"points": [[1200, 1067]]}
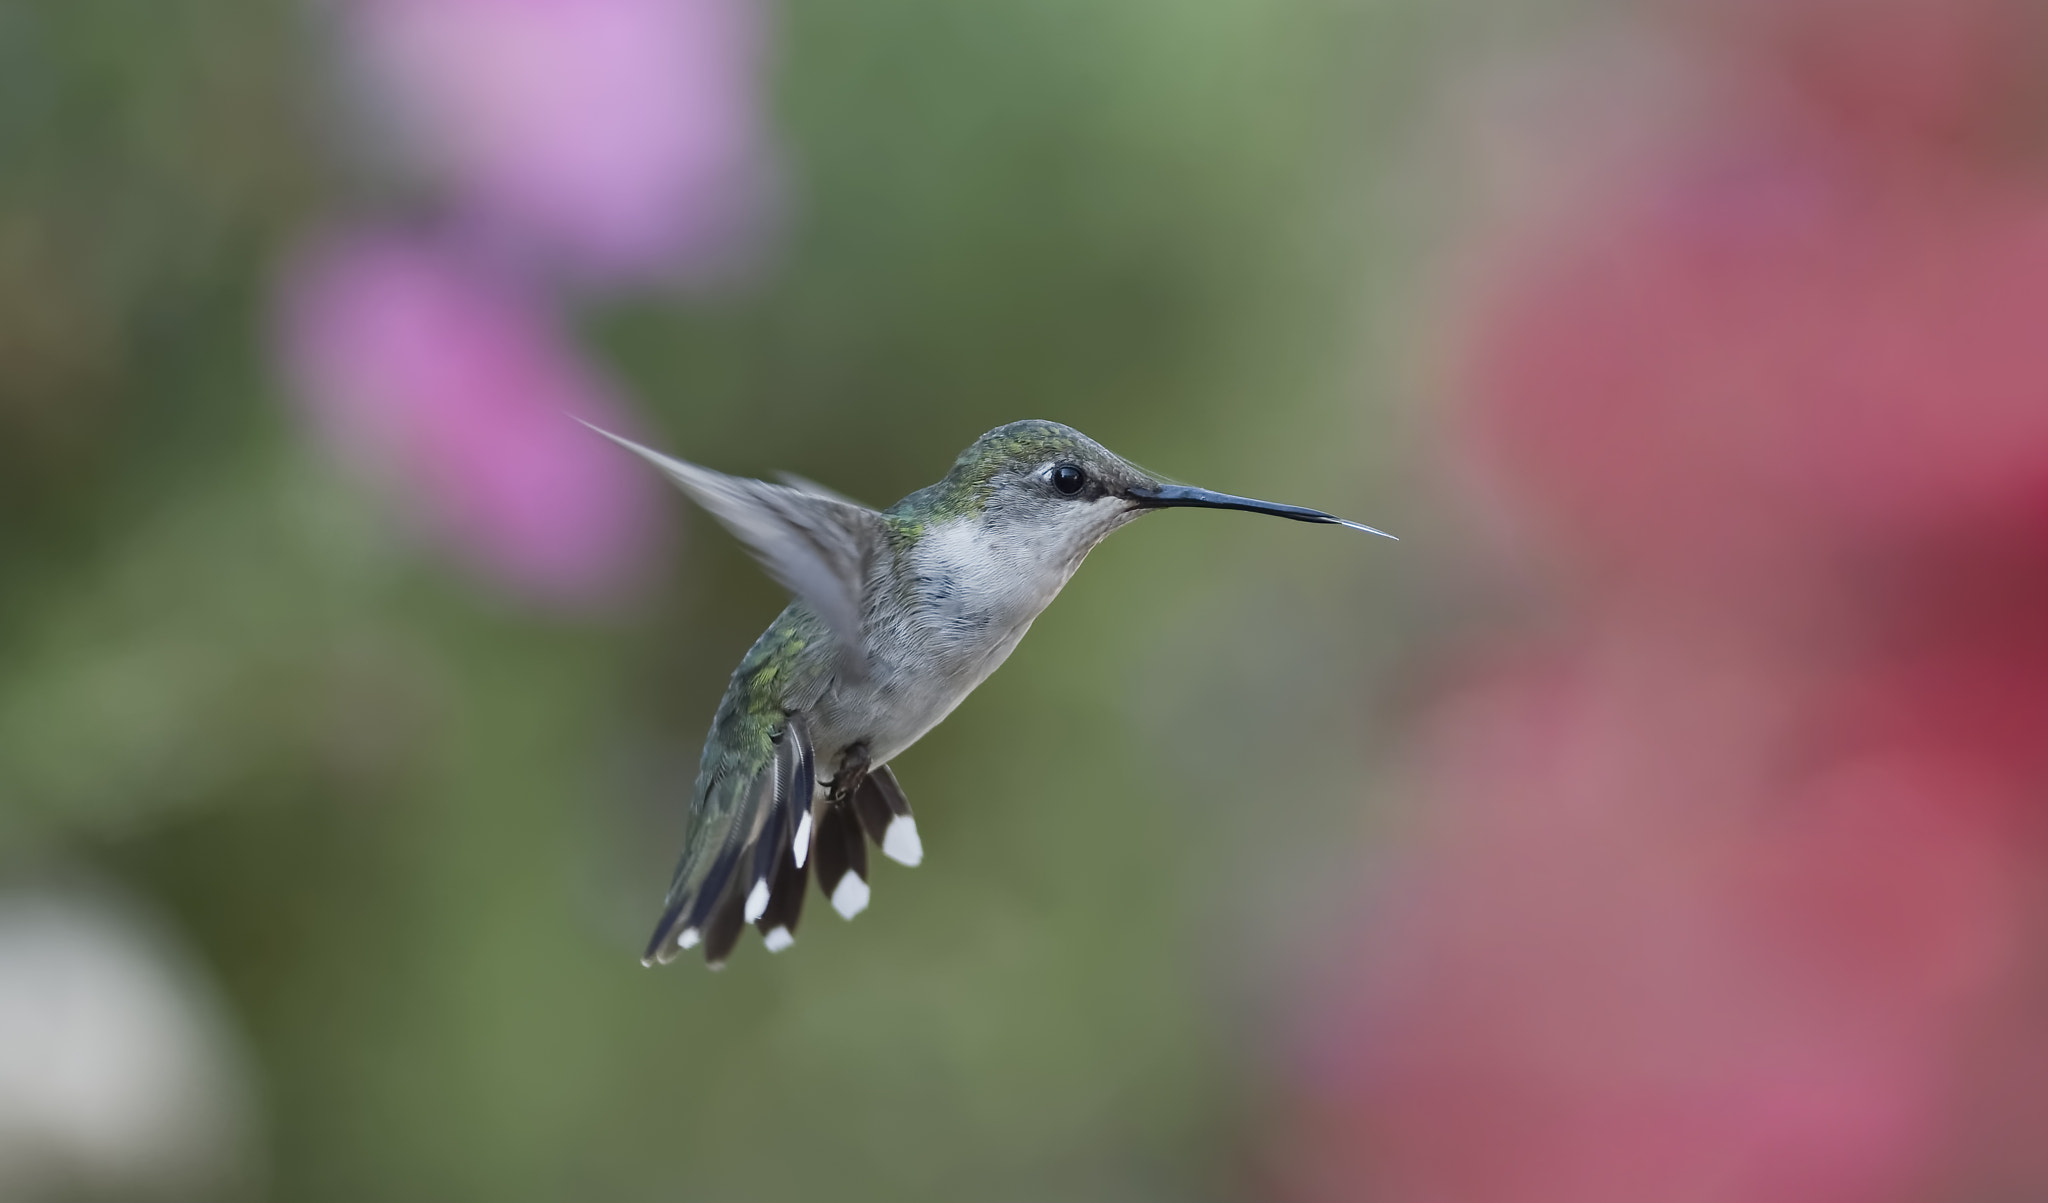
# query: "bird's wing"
{"points": [[818, 544], [804, 484], [744, 859]]}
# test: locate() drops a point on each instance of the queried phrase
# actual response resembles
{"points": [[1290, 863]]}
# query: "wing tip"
{"points": [[674, 468]]}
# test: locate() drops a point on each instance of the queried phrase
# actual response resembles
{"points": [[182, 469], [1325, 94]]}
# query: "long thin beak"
{"points": [[1169, 496]]}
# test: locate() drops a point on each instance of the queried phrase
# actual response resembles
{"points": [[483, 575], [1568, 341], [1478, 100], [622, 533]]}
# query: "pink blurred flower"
{"points": [[1776, 365], [1698, 917], [439, 380], [1730, 888], [613, 138], [1901, 79]]}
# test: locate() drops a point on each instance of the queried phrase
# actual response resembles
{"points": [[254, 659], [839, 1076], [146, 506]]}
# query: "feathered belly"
{"points": [[904, 697]]}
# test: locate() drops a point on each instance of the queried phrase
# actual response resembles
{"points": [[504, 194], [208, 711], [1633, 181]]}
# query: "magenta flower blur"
{"points": [[452, 389], [613, 139]]}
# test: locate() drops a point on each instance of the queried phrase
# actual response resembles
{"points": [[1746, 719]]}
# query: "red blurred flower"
{"points": [[1731, 890], [1894, 78], [1701, 916], [453, 388], [1773, 363]]}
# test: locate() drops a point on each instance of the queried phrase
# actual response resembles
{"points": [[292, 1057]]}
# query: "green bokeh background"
{"points": [[417, 832]]}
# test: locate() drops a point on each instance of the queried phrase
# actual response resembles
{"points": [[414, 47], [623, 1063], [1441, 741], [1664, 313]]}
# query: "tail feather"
{"points": [[842, 859], [767, 848], [831, 841], [804, 793], [885, 813], [722, 932], [662, 948], [689, 909], [781, 902], [769, 830], [777, 924], [871, 808], [754, 819], [723, 877]]}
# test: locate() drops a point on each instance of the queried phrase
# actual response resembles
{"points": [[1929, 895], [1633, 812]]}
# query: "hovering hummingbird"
{"points": [[898, 615]]}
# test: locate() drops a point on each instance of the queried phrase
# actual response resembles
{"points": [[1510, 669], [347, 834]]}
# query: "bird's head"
{"points": [[1052, 493]]}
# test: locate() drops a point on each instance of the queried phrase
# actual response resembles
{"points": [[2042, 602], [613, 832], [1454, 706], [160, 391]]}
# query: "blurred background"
{"points": [[1662, 819]]}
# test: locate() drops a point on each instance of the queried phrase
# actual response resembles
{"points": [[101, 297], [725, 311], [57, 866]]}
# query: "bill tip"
{"points": [[1370, 530]]}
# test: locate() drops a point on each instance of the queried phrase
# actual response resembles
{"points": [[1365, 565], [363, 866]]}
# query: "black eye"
{"points": [[1068, 478]]}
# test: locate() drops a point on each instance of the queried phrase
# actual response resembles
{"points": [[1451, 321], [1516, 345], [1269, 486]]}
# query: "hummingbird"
{"points": [[897, 615]]}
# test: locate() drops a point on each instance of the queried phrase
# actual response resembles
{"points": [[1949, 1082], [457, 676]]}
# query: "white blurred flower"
{"points": [[119, 1073]]}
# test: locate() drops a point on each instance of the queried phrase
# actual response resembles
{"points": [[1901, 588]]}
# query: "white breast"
{"points": [[975, 599], [978, 586]]}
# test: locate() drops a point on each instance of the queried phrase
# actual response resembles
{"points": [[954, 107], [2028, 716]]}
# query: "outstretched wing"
{"points": [[740, 861], [818, 544], [804, 484]]}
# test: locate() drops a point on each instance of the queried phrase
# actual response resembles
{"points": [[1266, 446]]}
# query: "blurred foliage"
{"points": [[418, 832]]}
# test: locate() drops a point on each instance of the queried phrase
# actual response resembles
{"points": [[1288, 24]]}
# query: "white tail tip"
{"points": [[777, 939], [688, 937], [900, 842], [757, 900], [802, 847], [851, 897]]}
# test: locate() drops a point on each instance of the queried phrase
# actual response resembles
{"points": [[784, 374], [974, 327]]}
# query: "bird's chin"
{"points": [[1127, 512]]}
